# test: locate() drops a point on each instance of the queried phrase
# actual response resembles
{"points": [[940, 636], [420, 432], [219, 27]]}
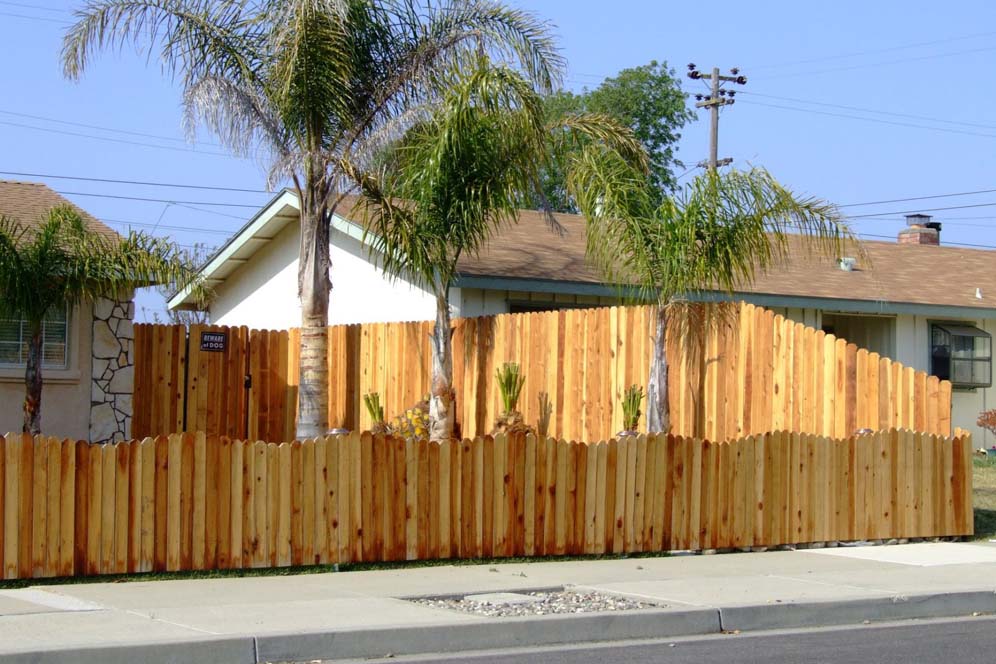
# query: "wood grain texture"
{"points": [[756, 372], [146, 504]]}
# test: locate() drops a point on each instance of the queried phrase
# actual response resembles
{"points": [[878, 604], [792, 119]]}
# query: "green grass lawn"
{"points": [[984, 498]]}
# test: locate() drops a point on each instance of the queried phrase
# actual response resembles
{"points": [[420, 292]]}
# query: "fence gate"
{"points": [[187, 382], [216, 379]]}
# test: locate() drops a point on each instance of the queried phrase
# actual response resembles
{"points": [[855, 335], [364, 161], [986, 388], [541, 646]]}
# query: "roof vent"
{"points": [[847, 263]]}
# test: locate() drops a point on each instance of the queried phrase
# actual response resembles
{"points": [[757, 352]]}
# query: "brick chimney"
{"points": [[920, 230]]}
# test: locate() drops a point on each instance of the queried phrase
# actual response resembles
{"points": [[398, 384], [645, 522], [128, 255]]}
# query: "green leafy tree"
{"points": [[648, 100], [62, 262], [321, 86], [716, 235], [462, 173]]}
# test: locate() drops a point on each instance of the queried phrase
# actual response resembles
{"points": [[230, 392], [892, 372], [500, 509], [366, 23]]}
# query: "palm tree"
{"points": [[460, 174], [62, 262], [319, 85], [718, 234]]}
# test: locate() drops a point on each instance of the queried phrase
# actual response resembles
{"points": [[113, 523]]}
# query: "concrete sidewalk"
{"points": [[365, 614]]}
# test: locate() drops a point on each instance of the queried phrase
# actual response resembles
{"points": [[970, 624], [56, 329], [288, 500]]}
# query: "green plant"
{"points": [[546, 411], [631, 407], [374, 407], [510, 381]]}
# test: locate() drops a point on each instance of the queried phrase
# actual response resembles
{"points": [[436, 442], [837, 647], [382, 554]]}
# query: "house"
{"points": [[87, 367], [929, 306]]}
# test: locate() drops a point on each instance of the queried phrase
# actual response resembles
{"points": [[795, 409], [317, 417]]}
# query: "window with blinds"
{"points": [[15, 334]]}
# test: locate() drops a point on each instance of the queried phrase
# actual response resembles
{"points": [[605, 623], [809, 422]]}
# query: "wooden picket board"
{"points": [[754, 373], [189, 501]]}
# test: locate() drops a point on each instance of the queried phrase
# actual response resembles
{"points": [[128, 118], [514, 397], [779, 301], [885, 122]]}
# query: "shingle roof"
{"points": [[889, 272], [29, 202]]}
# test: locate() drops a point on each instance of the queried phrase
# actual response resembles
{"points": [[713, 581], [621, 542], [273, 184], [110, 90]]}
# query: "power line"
{"points": [[920, 198], [140, 134], [155, 200], [115, 140], [869, 110], [889, 49], [142, 183], [876, 120], [957, 244], [953, 207], [839, 56], [241, 218], [169, 227], [28, 6], [947, 221], [35, 18], [933, 56]]}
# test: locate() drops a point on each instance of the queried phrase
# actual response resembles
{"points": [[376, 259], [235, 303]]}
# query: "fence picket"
{"points": [[754, 373]]}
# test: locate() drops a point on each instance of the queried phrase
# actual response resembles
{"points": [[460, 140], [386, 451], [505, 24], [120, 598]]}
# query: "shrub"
{"points": [[631, 407], [510, 380]]}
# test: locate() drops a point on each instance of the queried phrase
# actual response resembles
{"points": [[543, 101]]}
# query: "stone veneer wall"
{"points": [[113, 371]]}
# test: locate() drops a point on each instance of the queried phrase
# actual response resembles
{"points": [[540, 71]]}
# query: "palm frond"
{"points": [[239, 115], [196, 38], [459, 174], [64, 262]]}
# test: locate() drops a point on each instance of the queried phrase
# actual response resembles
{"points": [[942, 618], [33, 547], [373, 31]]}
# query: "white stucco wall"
{"points": [[262, 294]]}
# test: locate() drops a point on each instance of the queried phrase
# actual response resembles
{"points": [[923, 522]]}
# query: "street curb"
{"points": [[233, 649], [546, 630], [508, 633], [790, 615]]}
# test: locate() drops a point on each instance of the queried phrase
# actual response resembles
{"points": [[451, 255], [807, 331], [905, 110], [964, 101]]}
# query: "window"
{"points": [[14, 336], [962, 354]]}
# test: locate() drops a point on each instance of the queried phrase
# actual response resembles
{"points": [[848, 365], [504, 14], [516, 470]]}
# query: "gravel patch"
{"points": [[541, 603]]}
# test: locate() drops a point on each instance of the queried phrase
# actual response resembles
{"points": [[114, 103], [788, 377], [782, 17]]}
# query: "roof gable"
{"points": [[28, 203]]}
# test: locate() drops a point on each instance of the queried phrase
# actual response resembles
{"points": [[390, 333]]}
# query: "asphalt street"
{"points": [[912, 642]]}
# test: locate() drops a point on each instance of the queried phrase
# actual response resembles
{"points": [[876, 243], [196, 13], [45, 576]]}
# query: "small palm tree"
{"points": [[317, 86], [462, 173], [718, 234], [62, 262]]}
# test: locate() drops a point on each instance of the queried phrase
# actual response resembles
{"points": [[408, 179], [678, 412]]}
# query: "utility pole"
{"points": [[717, 97]]}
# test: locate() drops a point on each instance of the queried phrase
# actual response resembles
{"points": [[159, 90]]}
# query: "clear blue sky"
{"points": [[916, 78]]}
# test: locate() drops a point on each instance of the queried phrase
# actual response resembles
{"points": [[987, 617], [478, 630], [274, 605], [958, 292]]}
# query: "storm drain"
{"points": [[535, 603]]}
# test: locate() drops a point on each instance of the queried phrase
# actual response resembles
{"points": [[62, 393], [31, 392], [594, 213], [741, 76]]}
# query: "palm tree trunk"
{"points": [[441, 414], [658, 411], [33, 383], [314, 286]]}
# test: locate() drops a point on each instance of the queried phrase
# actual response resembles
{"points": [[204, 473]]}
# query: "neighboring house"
{"points": [[87, 366], [930, 307]]}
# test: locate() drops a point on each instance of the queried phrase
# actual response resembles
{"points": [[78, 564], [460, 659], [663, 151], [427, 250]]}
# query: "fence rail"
{"points": [[755, 372], [191, 501]]}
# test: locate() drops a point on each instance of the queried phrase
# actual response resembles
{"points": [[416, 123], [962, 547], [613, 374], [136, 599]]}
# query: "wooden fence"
{"points": [[756, 372], [190, 501]]}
